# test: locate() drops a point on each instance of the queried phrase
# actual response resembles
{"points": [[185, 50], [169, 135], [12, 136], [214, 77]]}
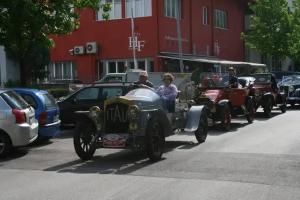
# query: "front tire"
{"points": [[201, 132], [83, 139], [155, 140], [5, 145]]}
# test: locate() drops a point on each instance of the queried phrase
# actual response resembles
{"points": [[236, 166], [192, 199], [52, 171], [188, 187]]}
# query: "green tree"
{"points": [[26, 24], [295, 33], [270, 28]]}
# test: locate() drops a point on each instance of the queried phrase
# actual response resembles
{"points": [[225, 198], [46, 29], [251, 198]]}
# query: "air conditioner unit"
{"points": [[78, 50], [91, 47]]}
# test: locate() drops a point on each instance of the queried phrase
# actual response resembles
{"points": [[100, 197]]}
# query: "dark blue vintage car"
{"points": [[137, 121], [291, 86]]}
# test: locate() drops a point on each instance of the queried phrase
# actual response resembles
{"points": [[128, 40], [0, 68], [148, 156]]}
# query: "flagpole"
{"points": [[134, 39]]}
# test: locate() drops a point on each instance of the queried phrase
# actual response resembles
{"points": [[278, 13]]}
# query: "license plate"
{"points": [[114, 141]]}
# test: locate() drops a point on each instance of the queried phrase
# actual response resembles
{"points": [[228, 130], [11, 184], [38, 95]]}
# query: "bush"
{"points": [[58, 92], [10, 84]]}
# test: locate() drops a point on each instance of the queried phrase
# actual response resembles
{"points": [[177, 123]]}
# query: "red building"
{"points": [[209, 28]]}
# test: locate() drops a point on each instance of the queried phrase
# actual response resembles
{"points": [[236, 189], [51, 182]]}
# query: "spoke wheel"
{"points": [[5, 145], [201, 132], [83, 139], [155, 140], [226, 119]]}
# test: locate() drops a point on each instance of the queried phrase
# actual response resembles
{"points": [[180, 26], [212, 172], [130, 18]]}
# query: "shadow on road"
{"points": [[15, 154], [217, 129], [121, 162], [261, 117]]}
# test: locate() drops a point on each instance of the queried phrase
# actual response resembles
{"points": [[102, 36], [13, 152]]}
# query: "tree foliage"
{"points": [[26, 24], [295, 33], [270, 27]]}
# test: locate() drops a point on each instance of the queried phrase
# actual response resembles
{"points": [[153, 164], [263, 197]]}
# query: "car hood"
{"points": [[213, 95]]}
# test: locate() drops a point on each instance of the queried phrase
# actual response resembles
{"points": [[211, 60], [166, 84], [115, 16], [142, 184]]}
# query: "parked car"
{"points": [[46, 111], [224, 102], [246, 81], [86, 97], [290, 85], [267, 94], [280, 74], [18, 126], [135, 121]]}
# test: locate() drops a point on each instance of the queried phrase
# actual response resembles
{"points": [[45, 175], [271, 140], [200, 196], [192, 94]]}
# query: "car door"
{"points": [[80, 101]]}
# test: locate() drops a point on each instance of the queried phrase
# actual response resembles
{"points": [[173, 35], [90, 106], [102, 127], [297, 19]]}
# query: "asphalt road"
{"points": [[259, 161]]}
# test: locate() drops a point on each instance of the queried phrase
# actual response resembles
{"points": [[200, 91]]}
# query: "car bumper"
{"points": [[50, 130], [25, 134]]}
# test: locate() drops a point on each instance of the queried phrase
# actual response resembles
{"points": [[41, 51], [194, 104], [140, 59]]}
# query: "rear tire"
{"points": [[83, 140], [226, 118], [5, 145], [268, 108], [201, 132], [251, 111], [155, 140]]}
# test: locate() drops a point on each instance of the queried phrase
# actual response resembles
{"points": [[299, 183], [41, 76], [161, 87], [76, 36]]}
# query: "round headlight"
{"points": [[133, 112], [291, 88]]}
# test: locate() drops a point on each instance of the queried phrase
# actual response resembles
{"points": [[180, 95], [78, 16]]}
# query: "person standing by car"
{"points": [[168, 92], [143, 79], [233, 80]]}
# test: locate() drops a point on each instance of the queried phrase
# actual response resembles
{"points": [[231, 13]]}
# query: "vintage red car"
{"points": [[223, 101], [267, 94]]}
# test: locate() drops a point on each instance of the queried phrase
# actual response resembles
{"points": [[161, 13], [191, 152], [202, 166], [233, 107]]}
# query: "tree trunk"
{"points": [[24, 74]]}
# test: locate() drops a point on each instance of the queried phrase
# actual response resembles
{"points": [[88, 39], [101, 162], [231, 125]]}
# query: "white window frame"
{"points": [[112, 15], [204, 15], [170, 9], [220, 19], [60, 64], [126, 62], [133, 6]]}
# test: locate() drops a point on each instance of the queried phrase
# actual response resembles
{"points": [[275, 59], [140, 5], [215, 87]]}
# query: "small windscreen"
{"points": [[49, 101]]}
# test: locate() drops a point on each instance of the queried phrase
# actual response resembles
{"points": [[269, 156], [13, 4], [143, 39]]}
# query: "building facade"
{"points": [[9, 69], [149, 31]]}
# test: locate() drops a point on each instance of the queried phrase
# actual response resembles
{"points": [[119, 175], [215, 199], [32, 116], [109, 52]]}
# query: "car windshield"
{"points": [[290, 80], [142, 92], [14, 100], [262, 78], [109, 92], [49, 101], [213, 80]]}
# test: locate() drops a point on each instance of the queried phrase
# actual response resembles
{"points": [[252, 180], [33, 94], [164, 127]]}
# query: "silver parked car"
{"points": [[18, 126]]}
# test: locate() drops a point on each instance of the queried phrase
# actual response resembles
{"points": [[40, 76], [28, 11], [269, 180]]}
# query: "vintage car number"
{"points": [[114, 141]]}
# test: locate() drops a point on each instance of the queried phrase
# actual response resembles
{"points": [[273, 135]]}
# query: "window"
{"points": [[172, 7], [88, 94], [61, 71], [14, 100], [115, 12], [112, 67], [205, 16], [49, 101], [111, 92], [140, 8], [220, 19], [30, 100]]}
